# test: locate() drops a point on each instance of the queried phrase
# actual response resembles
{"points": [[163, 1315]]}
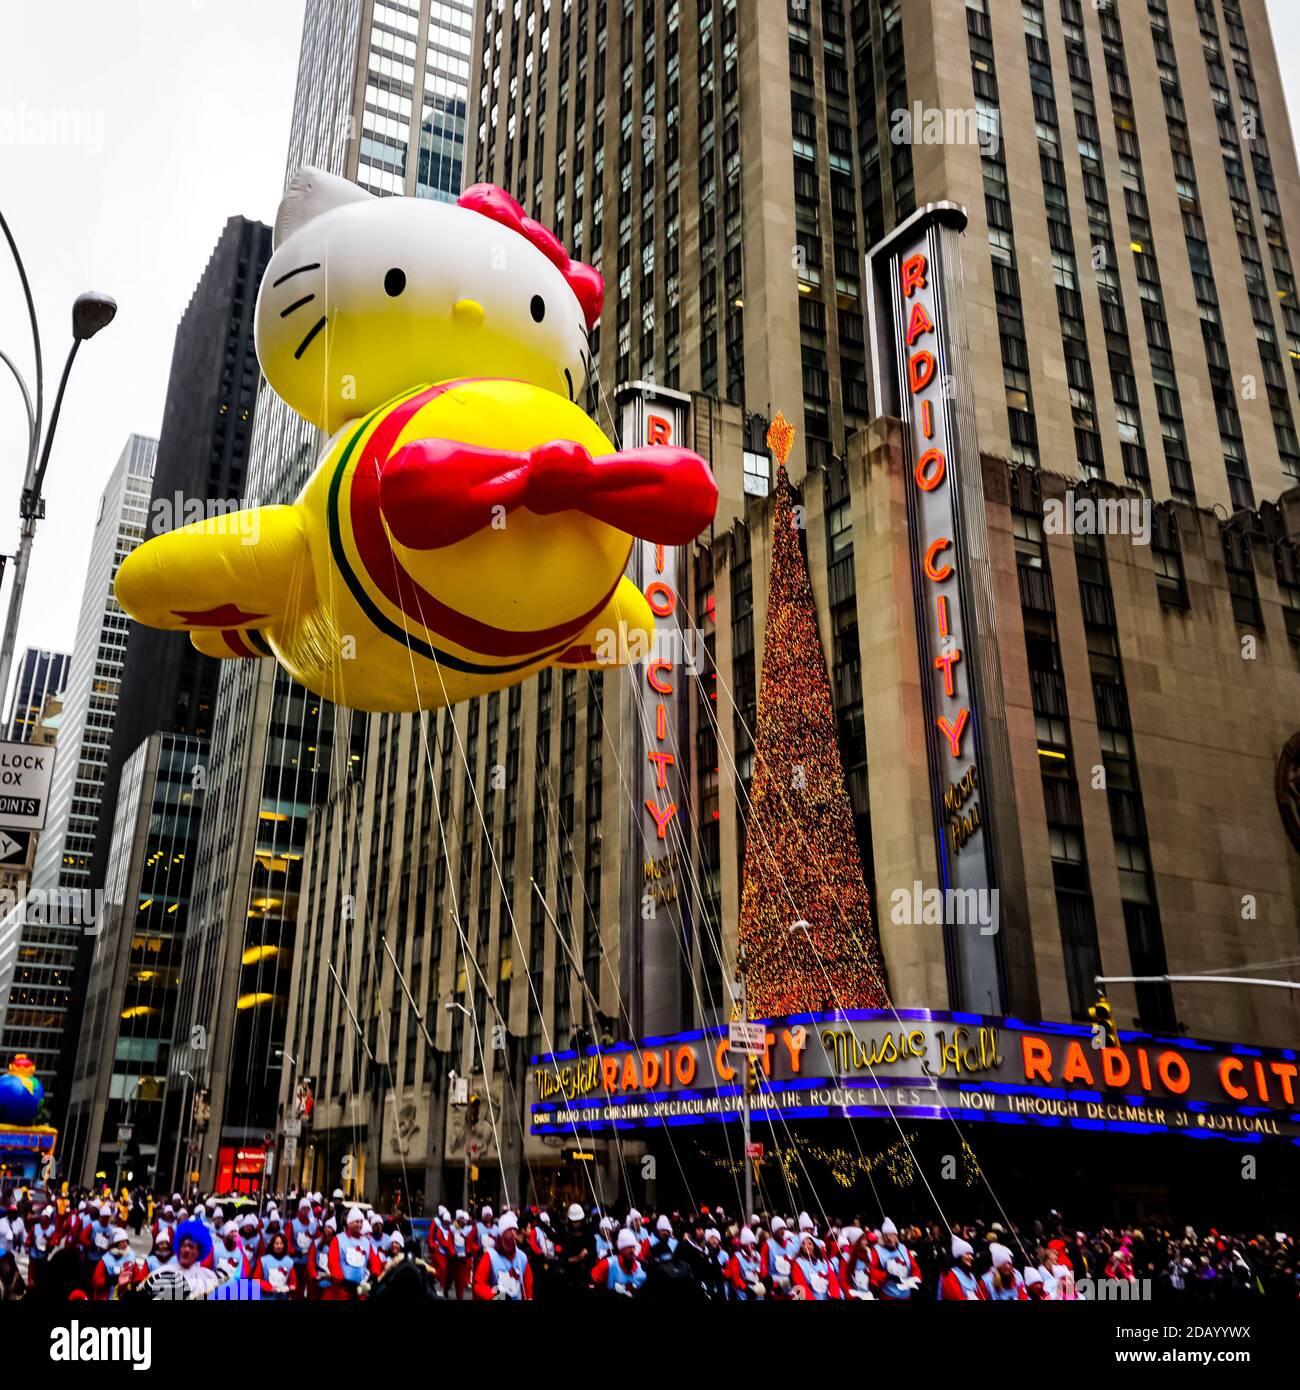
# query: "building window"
{"points": [[1241, 580]]}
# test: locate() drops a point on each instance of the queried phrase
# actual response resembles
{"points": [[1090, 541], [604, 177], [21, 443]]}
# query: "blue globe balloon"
{"points": [[18, 1105]]}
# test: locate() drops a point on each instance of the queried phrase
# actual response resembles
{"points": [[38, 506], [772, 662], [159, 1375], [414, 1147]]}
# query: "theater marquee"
{"points": [[918, 1064]]}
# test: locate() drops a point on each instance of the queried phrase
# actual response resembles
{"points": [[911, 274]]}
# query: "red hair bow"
{"points": [[585, 281]]}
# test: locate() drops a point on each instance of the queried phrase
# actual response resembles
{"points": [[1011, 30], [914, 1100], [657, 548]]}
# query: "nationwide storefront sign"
{"points": [[657, 743], [918, 1064]]}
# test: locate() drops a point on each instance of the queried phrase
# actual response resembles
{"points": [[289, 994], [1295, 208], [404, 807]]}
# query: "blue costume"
{"points": [[275, 1270], [617, 1275], [507, 1276]]}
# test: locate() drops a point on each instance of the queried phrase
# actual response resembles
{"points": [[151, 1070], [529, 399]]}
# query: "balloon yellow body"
{"points": [[515, 514], [324, 587]]}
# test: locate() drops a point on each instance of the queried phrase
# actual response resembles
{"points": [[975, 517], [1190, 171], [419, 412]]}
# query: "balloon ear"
{"points": [[310, 193]]}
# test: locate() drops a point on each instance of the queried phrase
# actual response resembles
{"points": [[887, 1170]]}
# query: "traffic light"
{"points": [[1103, 1018], [473, 1108], [751, 1076]]}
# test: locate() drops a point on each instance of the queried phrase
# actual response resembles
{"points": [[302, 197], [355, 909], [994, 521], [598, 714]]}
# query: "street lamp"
{"points": [[90, 313]]}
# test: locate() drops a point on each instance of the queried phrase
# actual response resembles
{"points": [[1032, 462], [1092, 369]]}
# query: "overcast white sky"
{"points": [[185, 108]]}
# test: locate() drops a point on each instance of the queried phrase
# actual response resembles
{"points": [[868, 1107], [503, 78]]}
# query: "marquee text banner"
{"points": [[925, 1065]]}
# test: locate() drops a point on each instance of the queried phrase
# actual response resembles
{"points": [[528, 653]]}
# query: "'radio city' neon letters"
{"points": [[662, 599], [930, 474]]}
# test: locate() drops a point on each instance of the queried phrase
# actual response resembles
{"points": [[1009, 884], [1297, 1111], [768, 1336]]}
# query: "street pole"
{"points": [[451, 1100], [90, 313], [1192, 980], [464, 1199], [742, 969], [31, 508]]}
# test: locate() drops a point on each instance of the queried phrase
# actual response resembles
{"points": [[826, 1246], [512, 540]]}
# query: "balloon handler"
{"points": [[467, 523]]}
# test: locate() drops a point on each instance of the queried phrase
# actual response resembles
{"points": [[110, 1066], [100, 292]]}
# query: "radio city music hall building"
{"points": [[991, 349]]}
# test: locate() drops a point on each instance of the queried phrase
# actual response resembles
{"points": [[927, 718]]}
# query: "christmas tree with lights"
{"points": [[805, 919]]}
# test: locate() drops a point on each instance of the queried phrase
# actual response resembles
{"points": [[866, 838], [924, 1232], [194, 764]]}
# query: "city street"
{"points": [[651, 655]]}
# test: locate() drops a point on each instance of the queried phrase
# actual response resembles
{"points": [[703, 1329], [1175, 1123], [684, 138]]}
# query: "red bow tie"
{"points": [[436, 492]]}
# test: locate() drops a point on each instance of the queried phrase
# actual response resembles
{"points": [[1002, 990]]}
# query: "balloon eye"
{"points": [[537, 308], [394, 282]]}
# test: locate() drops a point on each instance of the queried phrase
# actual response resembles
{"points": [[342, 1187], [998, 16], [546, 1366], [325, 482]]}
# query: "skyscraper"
{"points": [[875, 121], [380, 100], [120, 1076], [40, 674], [90, 701]]}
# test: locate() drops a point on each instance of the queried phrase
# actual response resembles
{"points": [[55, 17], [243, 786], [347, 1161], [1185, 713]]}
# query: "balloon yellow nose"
{"points": [[467, 313]]}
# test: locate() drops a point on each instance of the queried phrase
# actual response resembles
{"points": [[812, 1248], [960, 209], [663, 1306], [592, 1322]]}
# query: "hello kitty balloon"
{"points": [[467, 523]]}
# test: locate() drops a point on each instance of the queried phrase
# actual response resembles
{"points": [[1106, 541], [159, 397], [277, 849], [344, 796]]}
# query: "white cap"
{"points": [[376, 1219], [462, 1215], [778, 1224], [546, 1218], [663, 1225], [713, 1233], [106, 1209], [1000, 1255], [397, 1240], [606, 1223], [168, 1210], [444, 1213], [746, 1236], [331, 1225], [116, 1235], [304, 1202], [336, 1195], [355, 1215], [1032, 1276], [230, 1229], [509, 1222], [850, 1235], [806, 1222], [626, 1239], [576, 1212], [961, 1247], [250, 1219], [633, 1215], [487, 1213]]}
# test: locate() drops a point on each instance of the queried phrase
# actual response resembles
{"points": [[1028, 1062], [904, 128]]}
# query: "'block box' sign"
{"points": [[25, 773]]}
